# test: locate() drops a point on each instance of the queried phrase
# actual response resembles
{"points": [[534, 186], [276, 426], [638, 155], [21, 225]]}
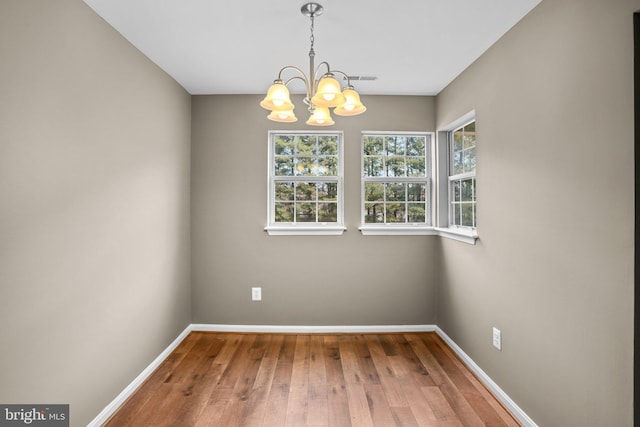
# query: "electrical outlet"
{"points": [[256, 294], [497, 338]]}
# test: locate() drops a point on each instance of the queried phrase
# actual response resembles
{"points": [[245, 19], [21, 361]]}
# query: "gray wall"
{"points": [[553, 268], [308, 280], [94, 208], [95, 214]]}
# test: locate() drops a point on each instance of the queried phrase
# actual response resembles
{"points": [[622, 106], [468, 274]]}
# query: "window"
{"points": [[305, 183], [462, 176], [396, 183], [457, 190]]}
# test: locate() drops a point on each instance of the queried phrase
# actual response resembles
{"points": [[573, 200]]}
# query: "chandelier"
{"points": [[323, 91]]}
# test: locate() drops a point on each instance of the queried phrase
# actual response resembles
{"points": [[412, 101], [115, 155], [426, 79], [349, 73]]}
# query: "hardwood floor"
{"points": [[226, 379]]}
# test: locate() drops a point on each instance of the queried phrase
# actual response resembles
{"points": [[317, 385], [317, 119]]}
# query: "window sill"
{"points": [[320, 230], [397, 230], [460, 234]]}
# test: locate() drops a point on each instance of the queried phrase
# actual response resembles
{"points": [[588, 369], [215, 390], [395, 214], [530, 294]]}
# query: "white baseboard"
{"points": [[508, 403], [112, 407], [300, 329]]}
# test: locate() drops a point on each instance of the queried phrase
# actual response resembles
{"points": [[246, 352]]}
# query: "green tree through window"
{"points": [[462, 177], [305, 178], [396, 178]]}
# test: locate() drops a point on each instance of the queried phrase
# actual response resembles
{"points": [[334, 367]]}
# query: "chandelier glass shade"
{"points": [[277, 97], [323, 90], [285, 116], [320, 117]]}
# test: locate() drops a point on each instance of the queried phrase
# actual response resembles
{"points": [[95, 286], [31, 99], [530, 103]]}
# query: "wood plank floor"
{"points": [[226, 379]]}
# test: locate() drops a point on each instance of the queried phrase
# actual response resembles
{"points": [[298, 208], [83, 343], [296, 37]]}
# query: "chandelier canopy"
{"points": [[323, 91]]}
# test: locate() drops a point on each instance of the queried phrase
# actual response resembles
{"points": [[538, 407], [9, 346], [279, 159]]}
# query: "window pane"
{"points": [[305, 212], [466, 190], [373, 145], [395, 212], [395, 166], [417, 212], [284, 212], [416, 192], [467, 215], [470, 128], [284, 191], [373, 191], [374, 212], [456, 214], [463, 153], [327, 212], [455, 191], [283, 166], [469, 141], [305, 166], [457, 164], [416, 146], [416, 166], [469, 138], [475, 215], [373, 166], [463, 202], [457, 141], [283, 145], [327, 166], [306, 145], [469, 160], [396, 145], [396, 192], [328, 145], [328, 191], [306, 191]]}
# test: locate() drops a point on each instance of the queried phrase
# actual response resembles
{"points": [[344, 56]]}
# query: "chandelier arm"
{"points": [[346, 76], [302, 76], [290, 67], [326, 64]]}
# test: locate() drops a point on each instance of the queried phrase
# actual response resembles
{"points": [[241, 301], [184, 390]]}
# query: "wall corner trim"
{"points": [[112, 407]]}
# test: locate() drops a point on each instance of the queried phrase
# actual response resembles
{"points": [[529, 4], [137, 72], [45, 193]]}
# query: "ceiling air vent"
{"points": [[361, 78]]}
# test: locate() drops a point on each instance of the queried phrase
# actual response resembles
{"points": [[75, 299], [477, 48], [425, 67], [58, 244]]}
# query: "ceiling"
{"points": [[413, 47]]}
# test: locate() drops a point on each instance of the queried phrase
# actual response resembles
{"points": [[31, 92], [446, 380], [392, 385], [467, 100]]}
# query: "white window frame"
{"points": [[426, 228], [446, 227], [306, 228]]}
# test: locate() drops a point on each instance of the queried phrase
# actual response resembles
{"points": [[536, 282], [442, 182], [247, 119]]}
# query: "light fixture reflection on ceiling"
{"points": [[323, 90]]}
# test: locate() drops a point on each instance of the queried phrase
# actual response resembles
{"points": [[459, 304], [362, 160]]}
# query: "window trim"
{"points": [[445, 228], [378, 229], [306, 228]]}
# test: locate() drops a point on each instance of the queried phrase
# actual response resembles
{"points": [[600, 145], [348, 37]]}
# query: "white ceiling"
{"points": [[414, 47]]}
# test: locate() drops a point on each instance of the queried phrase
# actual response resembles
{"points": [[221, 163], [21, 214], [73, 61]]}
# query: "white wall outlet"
{"points": [[256, 294], [497, 338]]}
